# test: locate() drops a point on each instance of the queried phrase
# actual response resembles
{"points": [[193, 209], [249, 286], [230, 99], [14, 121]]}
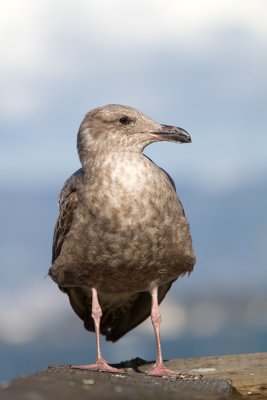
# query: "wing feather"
{"points": [[68, 202]]}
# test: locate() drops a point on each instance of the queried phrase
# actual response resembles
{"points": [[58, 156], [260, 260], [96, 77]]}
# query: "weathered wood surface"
{"points": [[217, 378]]}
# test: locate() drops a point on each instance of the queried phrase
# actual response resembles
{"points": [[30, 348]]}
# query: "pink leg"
{"points": [[158, 369], [100, 364]]}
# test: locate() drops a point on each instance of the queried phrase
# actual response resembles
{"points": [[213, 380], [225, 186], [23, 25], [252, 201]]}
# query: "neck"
{"points": [[91, 153], [88, 159]]}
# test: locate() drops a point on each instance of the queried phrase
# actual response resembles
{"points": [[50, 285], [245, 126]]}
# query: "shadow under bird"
{"points": [[121, 238]]}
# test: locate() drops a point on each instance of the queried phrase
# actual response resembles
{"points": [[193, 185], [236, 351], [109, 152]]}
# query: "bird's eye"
{"points": [[125, 120]]}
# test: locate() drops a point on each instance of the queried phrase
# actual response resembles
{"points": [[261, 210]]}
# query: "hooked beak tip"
{"points": [[173, 134]]}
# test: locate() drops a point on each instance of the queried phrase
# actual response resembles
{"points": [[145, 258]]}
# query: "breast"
{"points": [[131, 189]]}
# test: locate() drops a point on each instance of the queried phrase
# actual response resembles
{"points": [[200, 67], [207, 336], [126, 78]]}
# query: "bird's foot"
{"points": [[160, 370], [101, 366]]}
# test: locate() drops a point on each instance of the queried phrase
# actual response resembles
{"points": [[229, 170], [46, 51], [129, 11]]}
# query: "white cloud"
{"points": [[30, 27], [29, 312], [37, 33]]}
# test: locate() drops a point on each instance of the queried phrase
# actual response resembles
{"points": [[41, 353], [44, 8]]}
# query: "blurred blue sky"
{"points": [[201, 65], [198, 65]]}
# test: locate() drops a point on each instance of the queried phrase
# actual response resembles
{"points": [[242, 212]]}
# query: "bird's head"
{"points": [[120, 128]]}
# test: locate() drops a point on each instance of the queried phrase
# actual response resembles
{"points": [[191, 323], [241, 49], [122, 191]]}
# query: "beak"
{"points": [[173, 134]]}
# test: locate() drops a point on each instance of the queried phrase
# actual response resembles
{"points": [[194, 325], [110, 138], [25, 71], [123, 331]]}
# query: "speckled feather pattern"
{"points": [[136, 227]]}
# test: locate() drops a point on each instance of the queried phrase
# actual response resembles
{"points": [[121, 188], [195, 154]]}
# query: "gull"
{"points": [[122, 237]]}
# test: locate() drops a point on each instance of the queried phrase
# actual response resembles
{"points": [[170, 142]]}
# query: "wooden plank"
{"points": [[247, 373]]}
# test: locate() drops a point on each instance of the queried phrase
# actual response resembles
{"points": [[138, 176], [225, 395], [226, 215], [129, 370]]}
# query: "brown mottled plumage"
{"points": [[122, 230]]}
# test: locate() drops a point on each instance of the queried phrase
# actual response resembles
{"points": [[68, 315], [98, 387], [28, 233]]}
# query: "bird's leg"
{"points": [[100, 364], [159, 368]]}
